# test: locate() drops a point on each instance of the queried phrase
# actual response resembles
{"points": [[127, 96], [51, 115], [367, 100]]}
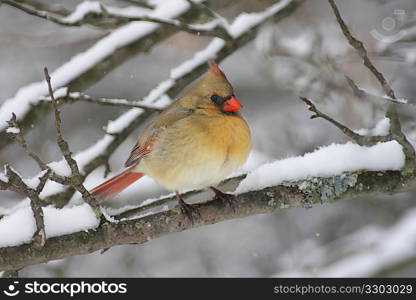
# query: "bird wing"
{"points": [[152, 131]]}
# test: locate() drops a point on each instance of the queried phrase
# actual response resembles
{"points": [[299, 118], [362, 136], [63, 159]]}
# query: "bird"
{"points": [[194, 143]]}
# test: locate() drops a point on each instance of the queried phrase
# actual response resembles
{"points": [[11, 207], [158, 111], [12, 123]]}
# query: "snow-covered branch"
{"points": [[102, 16], [95, 236], [33, 5]]}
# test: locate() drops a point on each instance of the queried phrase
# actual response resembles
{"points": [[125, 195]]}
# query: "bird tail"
{"points": [[116, 184]]}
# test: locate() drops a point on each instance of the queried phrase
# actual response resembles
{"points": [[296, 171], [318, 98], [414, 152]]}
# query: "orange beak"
{"points": [[232, 105]]}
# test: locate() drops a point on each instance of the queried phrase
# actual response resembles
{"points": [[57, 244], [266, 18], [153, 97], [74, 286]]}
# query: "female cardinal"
{"points": [[194, 143]]}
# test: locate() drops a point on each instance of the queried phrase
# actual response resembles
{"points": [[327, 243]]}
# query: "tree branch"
{"points": [[301, 193], [361, 140]]}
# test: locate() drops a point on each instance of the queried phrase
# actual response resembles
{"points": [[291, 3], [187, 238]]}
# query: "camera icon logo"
{"points": [[390, 32], [11, 290]]}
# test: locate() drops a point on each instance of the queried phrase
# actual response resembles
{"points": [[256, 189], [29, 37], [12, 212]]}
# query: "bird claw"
{"points": [[188, 210], [229, 198]]}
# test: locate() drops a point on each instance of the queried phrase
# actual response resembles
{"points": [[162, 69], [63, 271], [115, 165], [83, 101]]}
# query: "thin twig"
{"points": [[17, 135], [359, 139], [63, 145], [363, 94], [72, 97]]}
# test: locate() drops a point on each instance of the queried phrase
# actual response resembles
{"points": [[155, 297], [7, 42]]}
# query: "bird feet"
{"points": [[229, 198], [187, 209]]}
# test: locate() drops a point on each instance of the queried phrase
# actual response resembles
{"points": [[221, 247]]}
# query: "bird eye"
{"points": [[217, 99]]}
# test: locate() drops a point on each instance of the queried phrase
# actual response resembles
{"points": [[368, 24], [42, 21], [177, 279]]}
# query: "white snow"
{"points": [[97, 7], [300, 45], [204, 55], [158, 91], [206, 26], [123, 121], [246, 21], [81, 10], [18, 227], [69, 219], [34, 181], [326, 161], [60, 167], [60, 92], [3, 177], [382, 129], [13, 130]]}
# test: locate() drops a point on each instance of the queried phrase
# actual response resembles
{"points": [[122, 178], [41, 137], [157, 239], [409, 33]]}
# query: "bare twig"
{"points": [[63, 145], [15, 132], [17, 135], [359, 139], [73, 97]]}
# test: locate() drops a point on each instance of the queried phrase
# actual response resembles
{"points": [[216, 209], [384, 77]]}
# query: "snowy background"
{"points": [[304, 55]]}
